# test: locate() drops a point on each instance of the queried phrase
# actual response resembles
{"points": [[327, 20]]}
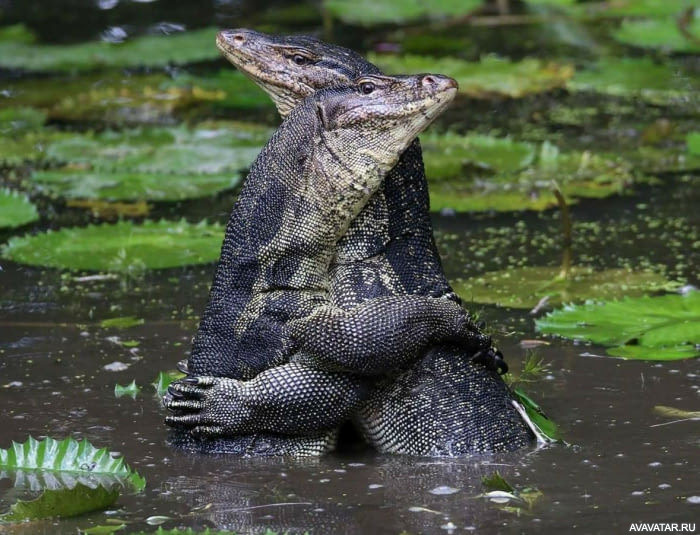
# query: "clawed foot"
{"points": [[206, 406], [492, 359]]}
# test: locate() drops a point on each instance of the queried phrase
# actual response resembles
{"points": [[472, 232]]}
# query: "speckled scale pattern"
{"points": [[256, 323]]}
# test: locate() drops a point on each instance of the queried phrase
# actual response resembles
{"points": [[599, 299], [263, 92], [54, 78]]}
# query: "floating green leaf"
{"points": [[372, 12], [525, 287], [131, 390], [672, 412], [67, 462], [490, 77], [62, 503], [123, 322], [164, 379], [663, 34], [693, 142], [659, 83], [648, 328], [21, 119], [190, 531], [496, 482], [102, 530], [133, 185], [124, 246], [537, 416], [16, 209], [151, 98], [483, 183], [150, 51], [446, 155]]}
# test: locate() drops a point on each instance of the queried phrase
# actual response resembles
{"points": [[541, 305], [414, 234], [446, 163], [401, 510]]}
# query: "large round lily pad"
{"points": [[446, 155], [648, 328], [466, 174], [372, 12], [161, 164], [525, 287], [490, 77], [16, 209], [662, 34], [638, 77], [110, 97], [123, 246], [181, 48]]}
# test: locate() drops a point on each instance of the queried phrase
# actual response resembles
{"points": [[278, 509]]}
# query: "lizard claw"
{"points": [[492, 359], [182, 366]]}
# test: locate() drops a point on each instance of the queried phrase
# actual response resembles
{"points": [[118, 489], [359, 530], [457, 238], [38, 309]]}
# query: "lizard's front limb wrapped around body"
{"points": [[289, 400], [381, 335]]}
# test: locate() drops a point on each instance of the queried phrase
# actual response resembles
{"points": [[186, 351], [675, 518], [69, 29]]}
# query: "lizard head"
{"points": [[385, 112], [291, 68], [362, 129]]}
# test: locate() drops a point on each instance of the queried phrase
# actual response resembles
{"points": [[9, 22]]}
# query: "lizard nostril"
{"points": [[239, 38], [428, 80]]}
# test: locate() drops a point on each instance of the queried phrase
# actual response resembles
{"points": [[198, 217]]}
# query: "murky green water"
{"points": [[625, 463]]}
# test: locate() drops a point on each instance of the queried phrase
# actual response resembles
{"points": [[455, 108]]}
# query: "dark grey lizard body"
{"points": [[444, 405], [284, 340]]}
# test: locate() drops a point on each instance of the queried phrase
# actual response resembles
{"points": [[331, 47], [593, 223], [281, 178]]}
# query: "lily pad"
{"points": [[136, 99], [446, 155], [525, 287], [647, 328], [123, 322], [147, 51], [659, 83], [663, 34], [20, 119], [164, 379], [490, 77], [133, 186], [16, 209], [160, 164], [56, 464], [62, 503], [121, 247], [131, 390], [483, 183], [373, 12]]}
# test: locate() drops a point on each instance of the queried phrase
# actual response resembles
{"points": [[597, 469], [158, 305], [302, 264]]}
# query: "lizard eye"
{"points": [[299, 59], [366, 88]]}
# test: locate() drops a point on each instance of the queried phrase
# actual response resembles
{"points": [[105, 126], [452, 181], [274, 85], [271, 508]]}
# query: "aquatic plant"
{"points": [[659, 83], [120, 247], [18, 51], [375, 12], [648, 328], [664, 34], [16, 209], [57, 464], [490, 77]]}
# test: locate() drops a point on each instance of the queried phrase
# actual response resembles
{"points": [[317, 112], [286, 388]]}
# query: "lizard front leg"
{"points": [[381, 334], [289, 399]]}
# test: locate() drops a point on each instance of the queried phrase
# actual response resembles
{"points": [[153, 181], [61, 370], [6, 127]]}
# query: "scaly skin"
{"points": [[444, 405], [271, 295]]}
